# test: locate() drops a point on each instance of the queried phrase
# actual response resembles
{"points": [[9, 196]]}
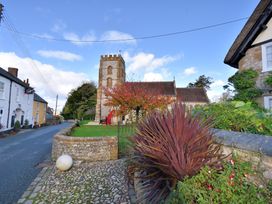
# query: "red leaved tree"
{"points": [[136, 96]]}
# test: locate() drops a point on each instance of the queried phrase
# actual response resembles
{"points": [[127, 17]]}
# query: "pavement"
{"points": [[104, 182], [20, 156]]}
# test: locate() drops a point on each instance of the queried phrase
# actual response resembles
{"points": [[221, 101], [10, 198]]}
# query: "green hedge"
{"points": [[237, 116]]}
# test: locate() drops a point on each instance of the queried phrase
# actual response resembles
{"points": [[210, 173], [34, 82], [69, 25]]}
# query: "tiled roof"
{"points": [[250, 31], [39, 99], [192, 95], [161, 87], [9, 76]]}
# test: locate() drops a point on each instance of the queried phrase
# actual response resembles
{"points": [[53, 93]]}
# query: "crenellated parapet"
{"points": [[114, 57]]}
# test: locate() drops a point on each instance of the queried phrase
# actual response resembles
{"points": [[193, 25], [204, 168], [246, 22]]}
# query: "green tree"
{"points": [[81, 102], [202, 82], [244, 83]]}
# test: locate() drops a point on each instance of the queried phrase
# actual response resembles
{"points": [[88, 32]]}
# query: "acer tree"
{"points": [[135, 96]]}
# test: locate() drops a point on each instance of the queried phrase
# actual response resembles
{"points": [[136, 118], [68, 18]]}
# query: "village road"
{"points": [[19, 157]]}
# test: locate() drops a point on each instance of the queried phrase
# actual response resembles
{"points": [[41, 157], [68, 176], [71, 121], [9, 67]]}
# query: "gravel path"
{"points": [[99, 182]]}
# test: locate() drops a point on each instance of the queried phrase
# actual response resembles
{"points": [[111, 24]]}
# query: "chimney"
{"points": [[13, 71]]}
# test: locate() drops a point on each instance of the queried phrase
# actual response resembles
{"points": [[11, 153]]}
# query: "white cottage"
{"points": [[16, 99]]}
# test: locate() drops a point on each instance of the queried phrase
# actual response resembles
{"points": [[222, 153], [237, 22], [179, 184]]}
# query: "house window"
{"points": [[268, 102], [109, 70], [267, 56], [2, 89], [17, 94], [109, 82], [1, 115]]}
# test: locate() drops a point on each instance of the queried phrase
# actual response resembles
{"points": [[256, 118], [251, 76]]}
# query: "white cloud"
{"points": [[146, 61], [218, 83], [216, 90], [75, 39], [114, 36], [214, 95], [152, 76], [47, 80], [190, 71], [59, 26], [68, 56]]}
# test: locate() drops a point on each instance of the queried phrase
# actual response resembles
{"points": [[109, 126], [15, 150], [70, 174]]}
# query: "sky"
{"points": [[56, 67]]}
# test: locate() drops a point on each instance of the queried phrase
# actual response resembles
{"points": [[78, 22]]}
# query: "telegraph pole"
{"points": [[56, 105], [1, 11]]}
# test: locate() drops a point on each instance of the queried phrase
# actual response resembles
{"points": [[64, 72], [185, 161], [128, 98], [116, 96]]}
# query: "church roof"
{"points": [[255, 24], [169, 88], [158, 87], [192, 95]]}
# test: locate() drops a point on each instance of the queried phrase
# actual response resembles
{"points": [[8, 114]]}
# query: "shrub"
{"points": [[244, 84], [169, 146], [17, 125], [237, 116], [227, 185], [26, 123], [268, 79]]}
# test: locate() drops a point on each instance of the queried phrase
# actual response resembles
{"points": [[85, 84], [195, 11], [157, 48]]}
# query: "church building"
{"points": [[112, 72]]}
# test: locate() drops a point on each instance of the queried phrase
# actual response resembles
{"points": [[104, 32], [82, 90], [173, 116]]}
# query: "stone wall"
{"points": [[254, 148], [252, 59], [84, 148]]}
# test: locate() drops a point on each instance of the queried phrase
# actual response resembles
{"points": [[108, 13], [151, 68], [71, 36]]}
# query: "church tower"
{"points": [[111, 73]]}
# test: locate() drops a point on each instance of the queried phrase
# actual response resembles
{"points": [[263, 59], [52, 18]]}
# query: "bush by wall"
{"points": [[228, 184], [237, 116]]}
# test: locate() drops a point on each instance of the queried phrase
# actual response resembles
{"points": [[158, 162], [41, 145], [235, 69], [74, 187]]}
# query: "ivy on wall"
{"points": [[244, 84]]}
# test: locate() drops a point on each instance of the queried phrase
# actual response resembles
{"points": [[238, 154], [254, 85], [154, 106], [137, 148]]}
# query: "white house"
{"points": [[16, 99]]}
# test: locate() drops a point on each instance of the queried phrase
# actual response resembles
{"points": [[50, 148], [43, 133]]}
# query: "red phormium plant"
{"points": [[168, 146]]}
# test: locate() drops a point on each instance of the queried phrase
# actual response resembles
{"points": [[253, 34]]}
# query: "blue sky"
{"points": [[55, 67]]}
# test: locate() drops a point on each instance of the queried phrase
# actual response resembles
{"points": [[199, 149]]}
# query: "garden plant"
{"points": [[228, 184], [237, 116], [170, 146]]}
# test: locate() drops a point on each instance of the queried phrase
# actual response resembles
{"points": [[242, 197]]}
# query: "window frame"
{"points": [[109, 82], [3, 93], [109, 70], [266, 100], [264, 57]]}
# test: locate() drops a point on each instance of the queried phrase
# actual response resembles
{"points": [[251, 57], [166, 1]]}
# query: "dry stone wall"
{"points": [[254, 148], [85, 148]]}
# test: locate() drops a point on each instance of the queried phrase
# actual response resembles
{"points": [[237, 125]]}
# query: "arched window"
{"points": [[109, 70], [109, 82]]}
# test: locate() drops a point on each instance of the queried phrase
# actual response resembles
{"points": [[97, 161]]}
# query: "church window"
{"points": [[109, 82], [109, 70]]}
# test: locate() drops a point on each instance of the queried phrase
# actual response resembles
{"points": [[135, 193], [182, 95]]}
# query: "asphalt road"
{"points": [[19, 157]]}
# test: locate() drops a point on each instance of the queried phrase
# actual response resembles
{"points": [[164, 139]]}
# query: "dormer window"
{"points": [[109, 70], [267, 56]]}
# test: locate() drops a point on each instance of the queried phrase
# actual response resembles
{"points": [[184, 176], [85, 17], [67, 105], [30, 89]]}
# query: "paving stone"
{"points": [[99, 182]]}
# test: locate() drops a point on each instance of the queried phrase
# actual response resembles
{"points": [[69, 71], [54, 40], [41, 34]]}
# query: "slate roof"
{"points": [[39, 99], [9, 76], [255, 24], [160, 87], [192, 95]]}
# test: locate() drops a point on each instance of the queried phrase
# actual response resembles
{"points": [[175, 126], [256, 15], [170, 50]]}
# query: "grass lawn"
{"points": [[103, 130], [94, 131]]}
